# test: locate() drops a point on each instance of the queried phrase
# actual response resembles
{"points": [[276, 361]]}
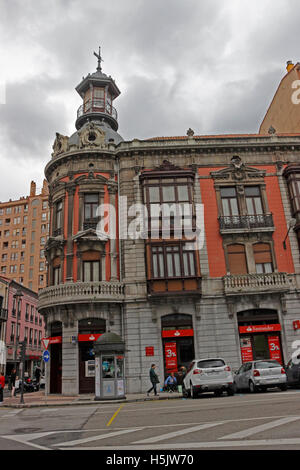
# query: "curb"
{"points": [[90, 402]]}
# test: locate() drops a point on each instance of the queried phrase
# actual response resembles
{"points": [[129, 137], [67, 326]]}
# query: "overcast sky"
{"points": [[212, 65]]}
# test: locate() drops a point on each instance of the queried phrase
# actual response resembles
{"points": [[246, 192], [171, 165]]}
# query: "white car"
{"points": [[208, 375], [260, 375]]}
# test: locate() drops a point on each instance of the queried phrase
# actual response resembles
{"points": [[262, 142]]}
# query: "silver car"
{"points": [[208, 375], [260, 375]]}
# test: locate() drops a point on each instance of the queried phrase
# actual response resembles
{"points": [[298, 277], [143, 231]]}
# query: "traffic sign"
{"points": [[46, 356], [45, 342]]}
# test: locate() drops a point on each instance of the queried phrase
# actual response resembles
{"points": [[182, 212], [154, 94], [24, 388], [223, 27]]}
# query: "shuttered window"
{"points": [[263, 258], [237, 259]]}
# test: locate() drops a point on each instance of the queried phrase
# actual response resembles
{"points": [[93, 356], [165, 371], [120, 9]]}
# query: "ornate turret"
{"points": [[98, 92]]}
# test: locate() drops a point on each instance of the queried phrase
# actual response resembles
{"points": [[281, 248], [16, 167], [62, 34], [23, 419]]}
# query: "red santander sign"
{"points": [[260, 328]]}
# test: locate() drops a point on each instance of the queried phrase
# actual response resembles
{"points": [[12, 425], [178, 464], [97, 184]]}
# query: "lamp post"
{"points": [[292, 223]]}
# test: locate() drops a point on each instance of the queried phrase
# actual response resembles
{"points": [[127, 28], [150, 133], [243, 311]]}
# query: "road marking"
{"points": [[260, 428], [26, 438], [202, 445], [96, 438], [115, 414], [170, 435]]}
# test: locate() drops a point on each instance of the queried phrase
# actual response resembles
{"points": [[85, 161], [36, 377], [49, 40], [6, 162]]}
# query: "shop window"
{"points": [[263, 258], [237, 261]]}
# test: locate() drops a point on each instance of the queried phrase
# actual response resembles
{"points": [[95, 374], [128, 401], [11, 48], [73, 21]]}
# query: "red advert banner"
{"points": [[274, 348], [171, 356], [246, 349], [260, 328]]}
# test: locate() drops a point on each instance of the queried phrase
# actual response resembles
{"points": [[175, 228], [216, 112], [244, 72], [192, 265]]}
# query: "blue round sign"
{"points": [[46, 356]]}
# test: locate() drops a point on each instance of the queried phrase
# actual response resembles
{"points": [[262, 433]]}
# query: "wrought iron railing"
{"points": [[246, 221], [98, 105]]}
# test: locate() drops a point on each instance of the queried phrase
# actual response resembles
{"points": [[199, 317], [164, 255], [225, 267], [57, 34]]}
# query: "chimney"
{"points": [[32, 188], [289, 65]]}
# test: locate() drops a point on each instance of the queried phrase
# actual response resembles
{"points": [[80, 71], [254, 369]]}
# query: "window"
{"points": [[13, 269], [8, 210], [91, 202], [58, 215], [18, 209], [17, 220], [263, 258], [42, 266], [229, 201], [91, 271], [237, 262], [170, 260], [25, 219], [14, 256], [44, 216], [253, 200], [41, 279], [14, 244], [3, 270], [4, 257], [43, 240], [45, 205], [21, 268]]}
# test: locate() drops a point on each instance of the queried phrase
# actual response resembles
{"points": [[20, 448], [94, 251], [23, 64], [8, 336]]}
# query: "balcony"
{"points": [[90, 223], [81, 292], [3, 314], [97, 107], [245, 223], [257, 283]]}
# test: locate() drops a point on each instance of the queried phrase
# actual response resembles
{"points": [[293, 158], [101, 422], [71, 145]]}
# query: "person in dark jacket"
{"points": [[154, 380]]}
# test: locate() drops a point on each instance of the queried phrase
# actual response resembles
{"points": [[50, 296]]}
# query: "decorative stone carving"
{"points": [[91, 136], [238, 171], [60, 144]]}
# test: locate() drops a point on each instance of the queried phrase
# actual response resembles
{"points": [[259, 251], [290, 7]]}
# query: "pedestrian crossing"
{"points": [[183, 436]]}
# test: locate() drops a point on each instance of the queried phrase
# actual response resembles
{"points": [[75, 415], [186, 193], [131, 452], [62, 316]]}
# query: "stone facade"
{"points": [[126, 292]]}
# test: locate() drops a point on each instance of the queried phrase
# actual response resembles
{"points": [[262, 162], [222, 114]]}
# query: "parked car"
{"points": [[260, 375], [208, 375], [292, 371]]}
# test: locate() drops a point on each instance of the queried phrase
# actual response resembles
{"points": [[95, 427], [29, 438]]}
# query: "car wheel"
{"points": [[218, 393], [231, 391], [252, 387], [185, 392], [193, 392], [283, 388]]}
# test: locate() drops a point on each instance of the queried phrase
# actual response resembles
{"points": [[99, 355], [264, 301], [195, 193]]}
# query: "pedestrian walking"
{"points": [[37, 375], [13, 376], [154, 380], [2, 385]]}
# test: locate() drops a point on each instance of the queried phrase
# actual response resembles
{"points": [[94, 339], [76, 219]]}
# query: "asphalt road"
{"points": [[262, 421]]}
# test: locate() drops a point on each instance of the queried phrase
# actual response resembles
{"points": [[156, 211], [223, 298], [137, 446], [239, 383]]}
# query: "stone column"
{"points": [[113, 236], [70, 369]]}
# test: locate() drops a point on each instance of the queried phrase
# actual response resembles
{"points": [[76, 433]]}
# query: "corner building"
{"points": [[235, 295]]}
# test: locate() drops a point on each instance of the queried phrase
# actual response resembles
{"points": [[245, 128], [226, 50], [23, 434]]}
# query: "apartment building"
{"points": [[232, 290], [24, 228]]}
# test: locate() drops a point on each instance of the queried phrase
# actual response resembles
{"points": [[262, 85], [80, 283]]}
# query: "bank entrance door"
{"points": [[178, 342]]}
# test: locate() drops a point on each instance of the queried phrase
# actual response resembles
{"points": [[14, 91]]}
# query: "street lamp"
{"points": [[292, 223]]}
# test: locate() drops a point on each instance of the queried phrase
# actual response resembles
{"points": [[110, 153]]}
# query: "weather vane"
{"points": [[99, 59]]}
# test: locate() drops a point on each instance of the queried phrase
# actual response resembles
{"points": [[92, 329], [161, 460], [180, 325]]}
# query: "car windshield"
{"points": [[266, 364], [210, 363]]}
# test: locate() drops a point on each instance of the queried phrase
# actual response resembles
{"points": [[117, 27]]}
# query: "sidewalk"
{"points": [[38, 399]]}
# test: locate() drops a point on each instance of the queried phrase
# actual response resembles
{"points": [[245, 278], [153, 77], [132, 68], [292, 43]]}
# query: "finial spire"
{"points": [[99, 59]]}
